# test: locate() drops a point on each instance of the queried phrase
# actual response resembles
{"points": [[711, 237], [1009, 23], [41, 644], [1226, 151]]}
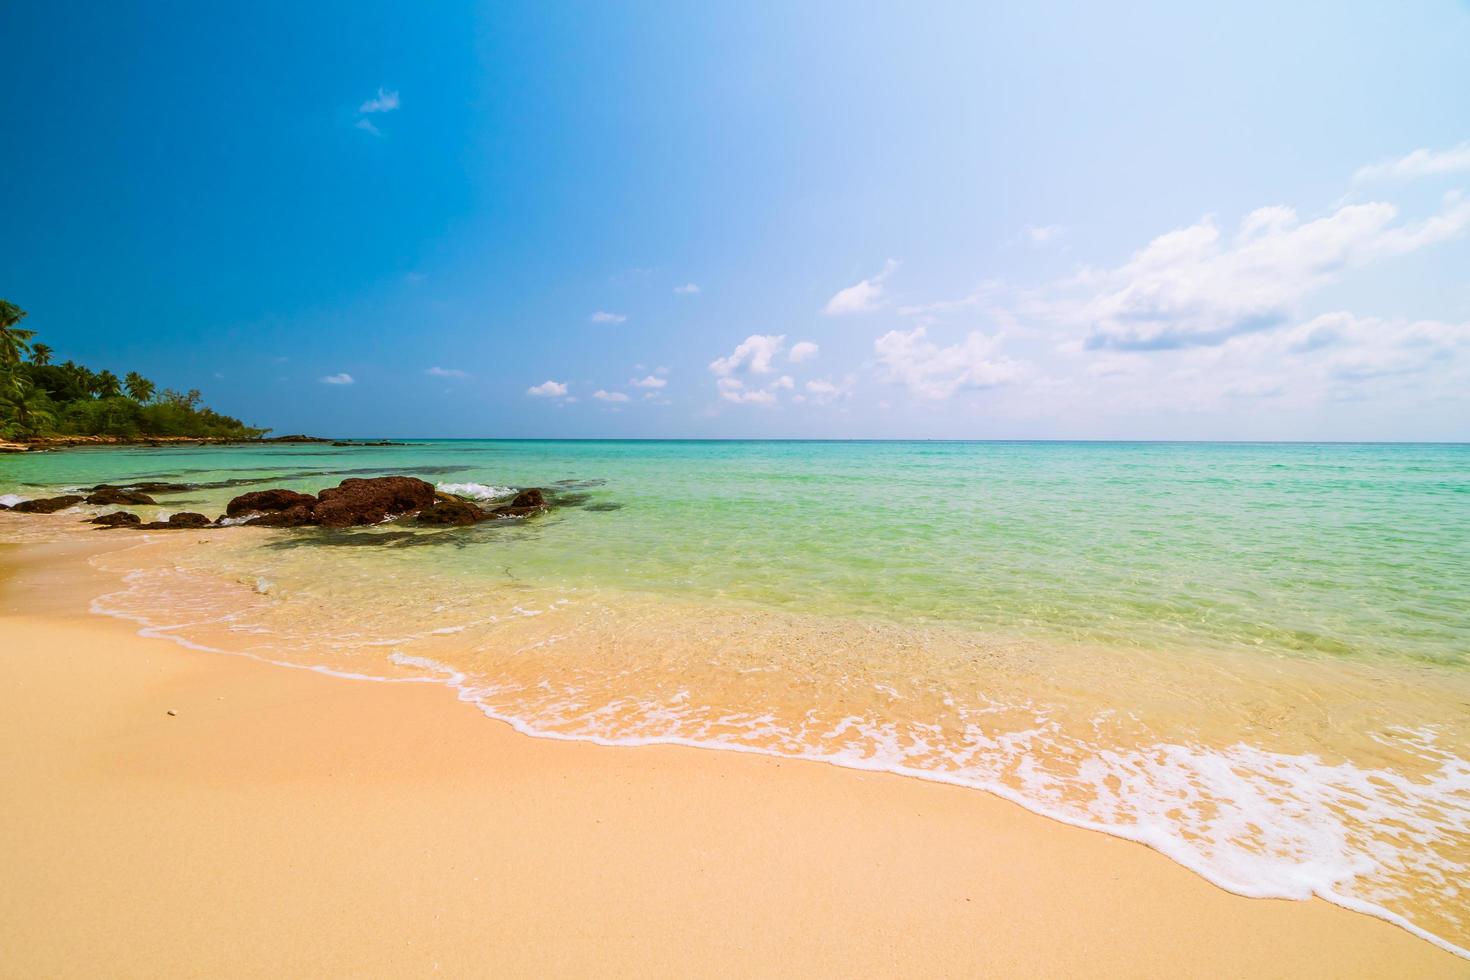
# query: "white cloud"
{"points": [[734, 390], [384, 101], [1117, 365], [822, 391], [754, 354], [1291, 371], [602, 316], [1423, 162], [609, 396], [1042, 235], [863, 297], [440, 372], [548, 389], [1194, 287], [338, 379], [366, 125], [1365, 348], [802, 350], [936, 373], [688, 289], [649, 382]]}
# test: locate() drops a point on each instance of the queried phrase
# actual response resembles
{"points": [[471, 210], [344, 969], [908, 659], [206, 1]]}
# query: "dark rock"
{"points": [[268, 501], [355, 502], [146, 487], [46, 505], [604, 507], [529, 498], [298, 516], [524, 504], [155, 487], [449, 510], [382, 442], [115, 496], [118, 518], [187, 520]]}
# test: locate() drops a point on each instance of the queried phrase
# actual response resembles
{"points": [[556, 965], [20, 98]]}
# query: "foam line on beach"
{"points": [[1153, 836]]}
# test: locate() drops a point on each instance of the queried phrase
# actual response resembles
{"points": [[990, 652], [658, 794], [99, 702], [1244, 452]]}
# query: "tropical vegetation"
{"points": [[40, 398]]}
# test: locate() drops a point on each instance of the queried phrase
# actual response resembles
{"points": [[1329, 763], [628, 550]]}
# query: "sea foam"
{"points": [[477, 491]]}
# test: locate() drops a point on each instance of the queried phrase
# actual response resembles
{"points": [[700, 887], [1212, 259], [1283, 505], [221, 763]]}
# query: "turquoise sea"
{"points": [[1253, 657]]}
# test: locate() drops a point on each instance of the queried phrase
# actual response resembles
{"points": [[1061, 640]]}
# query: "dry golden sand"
{"points": [[289, 823]]}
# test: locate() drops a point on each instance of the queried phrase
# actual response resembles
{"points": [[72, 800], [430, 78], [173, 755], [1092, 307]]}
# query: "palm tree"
{"points": [[107, 385], [89, 380], [26, 404], [140, 389], [77, 375], [13, 340], [40, 354]]}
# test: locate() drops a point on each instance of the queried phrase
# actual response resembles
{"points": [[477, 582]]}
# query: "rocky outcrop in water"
{"points": [[149, 486], [354, 502], [451, 511], [116, 495], [299, 516], [46, 505], [118, 518], [524, 504], [187, 520], [268, 501]]}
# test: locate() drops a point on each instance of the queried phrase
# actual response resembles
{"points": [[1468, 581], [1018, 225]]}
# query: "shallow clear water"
{"points": [[1360, 551], [1252, 657]]}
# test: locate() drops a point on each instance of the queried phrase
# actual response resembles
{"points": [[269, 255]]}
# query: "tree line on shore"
{"points": [[39, 398]]}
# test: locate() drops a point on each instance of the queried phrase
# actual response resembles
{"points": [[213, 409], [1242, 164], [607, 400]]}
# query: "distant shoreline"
{"points": [[82, 442], [100, 442]]}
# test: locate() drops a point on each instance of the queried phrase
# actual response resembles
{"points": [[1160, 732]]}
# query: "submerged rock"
{"points": [[356, 502], [118, 518], [186, 520], [524, 504], [448, 510], [114, 495], [268, 501], [298, 516], [150, 486], [47, 505]]}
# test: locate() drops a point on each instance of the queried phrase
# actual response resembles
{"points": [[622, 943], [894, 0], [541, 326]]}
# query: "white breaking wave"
{"points": [[11, 499], [476, 491]]}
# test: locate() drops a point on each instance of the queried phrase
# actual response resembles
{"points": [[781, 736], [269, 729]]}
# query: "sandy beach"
{"points": [[177, 813]]}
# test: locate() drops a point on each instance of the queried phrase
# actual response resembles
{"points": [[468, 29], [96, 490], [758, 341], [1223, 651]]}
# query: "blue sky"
{"points": [[754, 219]]}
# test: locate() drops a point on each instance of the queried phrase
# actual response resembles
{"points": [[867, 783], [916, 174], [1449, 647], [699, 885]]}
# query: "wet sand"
{"points": [[288, 822]]}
